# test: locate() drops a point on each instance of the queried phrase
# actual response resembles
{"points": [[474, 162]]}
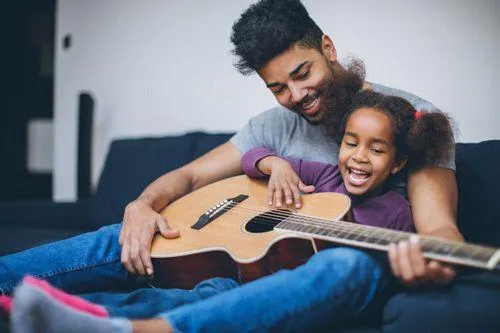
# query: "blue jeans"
{"points": [[146, 303], [86, 263], [334, 286]]}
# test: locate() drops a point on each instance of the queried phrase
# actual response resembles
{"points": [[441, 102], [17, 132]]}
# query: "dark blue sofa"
{"points": [[470, 304]]}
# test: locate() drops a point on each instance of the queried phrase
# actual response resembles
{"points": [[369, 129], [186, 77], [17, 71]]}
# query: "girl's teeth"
{"points": [[359, 172]]}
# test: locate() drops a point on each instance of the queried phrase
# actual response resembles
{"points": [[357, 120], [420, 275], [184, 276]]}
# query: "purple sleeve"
{"points": [[323, 176], [311, 173], [251, 158]]}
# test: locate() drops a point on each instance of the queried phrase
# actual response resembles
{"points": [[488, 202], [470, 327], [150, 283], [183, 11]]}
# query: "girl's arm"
{"points": [[284, 175]]}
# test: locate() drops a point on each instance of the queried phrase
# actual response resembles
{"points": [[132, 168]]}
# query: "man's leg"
{"points": [[334, 287], [88, 262]]}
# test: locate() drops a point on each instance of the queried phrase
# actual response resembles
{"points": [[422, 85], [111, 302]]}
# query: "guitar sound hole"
{"points": [[267, 221]]}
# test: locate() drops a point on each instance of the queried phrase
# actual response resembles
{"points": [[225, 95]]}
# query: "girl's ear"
{"points": [[398, 165]]}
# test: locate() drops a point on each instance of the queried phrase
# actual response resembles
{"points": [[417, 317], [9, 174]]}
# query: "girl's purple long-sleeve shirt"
{"points": [[388, 210]]}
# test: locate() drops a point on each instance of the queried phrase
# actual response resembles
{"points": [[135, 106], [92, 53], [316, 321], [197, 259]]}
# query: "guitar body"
{"points": [[237, 242]]}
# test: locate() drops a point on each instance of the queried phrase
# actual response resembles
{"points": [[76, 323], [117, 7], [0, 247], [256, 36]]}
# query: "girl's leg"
{"points": [[55, 311], [149, 302]]}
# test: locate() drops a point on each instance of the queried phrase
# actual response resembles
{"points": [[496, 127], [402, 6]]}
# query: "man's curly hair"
{"points": [[270, 27]]}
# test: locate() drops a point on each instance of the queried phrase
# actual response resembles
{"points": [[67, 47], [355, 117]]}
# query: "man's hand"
{"points": [[140, 224], [411, 268], [283, 182]]}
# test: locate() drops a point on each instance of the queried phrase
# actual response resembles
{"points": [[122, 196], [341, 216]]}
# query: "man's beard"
{"points": [[346, 83], [336, 94]]}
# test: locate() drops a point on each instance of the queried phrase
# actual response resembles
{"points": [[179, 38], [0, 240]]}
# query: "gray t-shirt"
{"points": [[288, 134]]}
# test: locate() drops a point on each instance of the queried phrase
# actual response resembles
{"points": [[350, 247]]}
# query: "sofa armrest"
{"points": [[46, 214]]}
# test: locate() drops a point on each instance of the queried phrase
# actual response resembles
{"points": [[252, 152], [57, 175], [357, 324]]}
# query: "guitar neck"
{"points": [[379, 239]]}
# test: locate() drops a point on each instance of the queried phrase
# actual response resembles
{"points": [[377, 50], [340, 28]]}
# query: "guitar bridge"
{"points": [[218, 210]]}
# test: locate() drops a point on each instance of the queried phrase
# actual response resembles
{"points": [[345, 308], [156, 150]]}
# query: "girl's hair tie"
{"points": [[418, 115]]}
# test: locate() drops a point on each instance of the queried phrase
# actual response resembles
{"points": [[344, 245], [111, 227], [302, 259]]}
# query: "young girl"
{"points": [[381, 136]]}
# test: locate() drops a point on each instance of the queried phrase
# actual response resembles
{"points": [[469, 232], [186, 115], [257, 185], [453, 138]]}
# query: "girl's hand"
{"points": [[284, 183]]}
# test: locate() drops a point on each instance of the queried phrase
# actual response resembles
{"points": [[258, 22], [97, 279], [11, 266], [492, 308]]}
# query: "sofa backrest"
{"points": [[131, 164], [479, 191]]}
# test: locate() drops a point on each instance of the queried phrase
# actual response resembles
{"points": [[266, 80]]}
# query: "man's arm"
{"points": [[433, 195], [142, 219]]}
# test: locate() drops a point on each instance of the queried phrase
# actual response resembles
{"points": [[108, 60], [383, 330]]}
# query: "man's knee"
{"points": [[111, 230], [345, 260]]}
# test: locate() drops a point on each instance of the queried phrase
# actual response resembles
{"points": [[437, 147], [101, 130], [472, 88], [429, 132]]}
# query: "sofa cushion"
{"points": [[132, 164], [469, 304], [479, 191]]}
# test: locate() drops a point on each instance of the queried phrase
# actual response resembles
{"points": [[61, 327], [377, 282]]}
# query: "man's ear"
{"points": [[398, 165], [328, 48]]}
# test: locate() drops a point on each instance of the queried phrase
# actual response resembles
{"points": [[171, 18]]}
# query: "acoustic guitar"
{"points": [[227, 229]]}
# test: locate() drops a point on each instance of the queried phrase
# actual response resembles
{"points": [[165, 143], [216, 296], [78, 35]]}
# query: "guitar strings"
{"points": [[380, 234], [330, 225]]}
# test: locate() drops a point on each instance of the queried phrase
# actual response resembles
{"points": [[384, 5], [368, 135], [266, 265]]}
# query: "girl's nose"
{"points": [[360, 155]]}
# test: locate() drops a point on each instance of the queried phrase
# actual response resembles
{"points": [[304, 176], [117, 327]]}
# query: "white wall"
{"points": [[161, 67]]}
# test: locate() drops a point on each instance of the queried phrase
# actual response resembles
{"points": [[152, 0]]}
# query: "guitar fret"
{"points": [[483, 254], [309, 228], [429, 245], [324, 231], [370, 239], [465, 252]]}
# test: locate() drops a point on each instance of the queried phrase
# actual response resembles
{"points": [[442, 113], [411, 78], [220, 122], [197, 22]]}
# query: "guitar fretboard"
{"points": [[379, 239]]}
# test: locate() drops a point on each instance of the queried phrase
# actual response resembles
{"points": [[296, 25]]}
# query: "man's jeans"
{"points": [[334, 286]]}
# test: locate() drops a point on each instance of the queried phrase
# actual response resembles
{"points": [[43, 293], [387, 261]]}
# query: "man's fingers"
{"points": [[135, 258], [439, 273], [394, 260], [145, 255], [125, 258], [120, 238], [165, 229], [407, 273], [417, 260]]}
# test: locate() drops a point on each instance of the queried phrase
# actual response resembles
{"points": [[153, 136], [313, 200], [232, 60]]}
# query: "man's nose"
{"points": [[297, 93]]}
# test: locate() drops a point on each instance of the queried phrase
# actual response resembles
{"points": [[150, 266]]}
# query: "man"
{"points": [[298, 63]]}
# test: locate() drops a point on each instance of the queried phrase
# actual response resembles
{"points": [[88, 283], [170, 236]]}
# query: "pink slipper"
{"points": [[74, 302], [6, 304]]}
